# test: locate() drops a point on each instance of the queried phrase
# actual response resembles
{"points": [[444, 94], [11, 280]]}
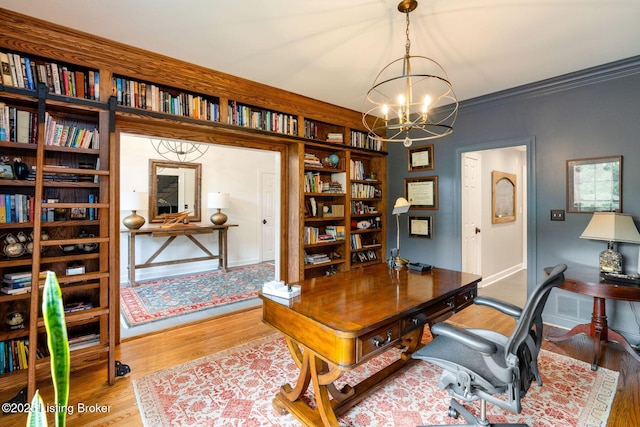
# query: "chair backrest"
{"points": [[532, 312]]}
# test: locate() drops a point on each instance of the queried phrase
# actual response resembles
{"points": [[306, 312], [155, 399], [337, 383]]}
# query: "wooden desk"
{"points": [[598, 329], [173, 232], [342, 320]]}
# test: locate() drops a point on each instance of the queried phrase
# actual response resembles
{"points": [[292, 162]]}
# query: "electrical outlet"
{"points": [[557, 214]]}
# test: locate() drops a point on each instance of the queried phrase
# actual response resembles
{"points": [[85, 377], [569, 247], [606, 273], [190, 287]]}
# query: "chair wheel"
{"points": [[453, 413]]}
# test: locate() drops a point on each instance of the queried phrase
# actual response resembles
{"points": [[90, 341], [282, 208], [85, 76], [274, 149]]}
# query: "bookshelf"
{"points": [[54, 215], [311, 125]]}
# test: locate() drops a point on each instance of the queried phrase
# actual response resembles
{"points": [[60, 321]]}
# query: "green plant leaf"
{"points": [[57, 340], [37, 415]]}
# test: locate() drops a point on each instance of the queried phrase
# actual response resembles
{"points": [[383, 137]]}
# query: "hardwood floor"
{"points": [[154, 352]]}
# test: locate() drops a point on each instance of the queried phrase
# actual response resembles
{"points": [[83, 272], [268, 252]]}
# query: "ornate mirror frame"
{"points": [[186, 176]]}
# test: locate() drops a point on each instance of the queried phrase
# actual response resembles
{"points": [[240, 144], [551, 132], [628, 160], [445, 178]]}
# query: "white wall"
{"points": [[224, 169], [502, 244]]}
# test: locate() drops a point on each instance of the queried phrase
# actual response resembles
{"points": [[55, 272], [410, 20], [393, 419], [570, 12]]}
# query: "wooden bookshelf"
{"points": [[109, 61]]}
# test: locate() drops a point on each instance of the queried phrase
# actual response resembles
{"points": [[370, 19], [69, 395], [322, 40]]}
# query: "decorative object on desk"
{"points": [[594, 185], [279, 288], [218, 201], [401, 206], [611, 227], [410, 398], [179, 219], [133, 201], [411, 98], [20, 168], [154, 300], [182, 151]]}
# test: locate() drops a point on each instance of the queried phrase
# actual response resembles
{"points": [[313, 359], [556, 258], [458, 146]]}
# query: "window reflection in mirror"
{"points": [[174, 187]]}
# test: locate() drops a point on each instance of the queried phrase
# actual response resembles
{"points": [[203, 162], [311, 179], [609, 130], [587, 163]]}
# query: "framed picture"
{"points": [[503, 197], [6, 172], [594, 185], [420, 158], [421, 226], [78, 213], [422, 193]]}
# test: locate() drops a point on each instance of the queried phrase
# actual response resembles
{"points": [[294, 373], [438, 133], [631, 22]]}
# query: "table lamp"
{"points": [[401, 206], [611, 227], [218, 201], [133, 201]]}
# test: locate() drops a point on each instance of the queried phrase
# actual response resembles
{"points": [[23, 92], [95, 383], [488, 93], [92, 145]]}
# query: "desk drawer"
{"points": [[377, 340], [465, 299]]}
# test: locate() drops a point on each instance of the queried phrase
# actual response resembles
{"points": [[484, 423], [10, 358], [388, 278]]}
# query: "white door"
{"points": [[268, 217], [471, 214]]}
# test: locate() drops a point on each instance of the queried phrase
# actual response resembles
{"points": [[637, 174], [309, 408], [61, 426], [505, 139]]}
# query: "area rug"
{"points": [[160, 299], [235, 387]]}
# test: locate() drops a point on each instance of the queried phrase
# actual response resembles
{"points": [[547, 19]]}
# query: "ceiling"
{"points": [[332, 50]]}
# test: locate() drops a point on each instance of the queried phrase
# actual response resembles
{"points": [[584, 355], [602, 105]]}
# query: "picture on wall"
{"points": [[503, 197], [421, 226], [420, 158], [422, 192], [594, 185]]}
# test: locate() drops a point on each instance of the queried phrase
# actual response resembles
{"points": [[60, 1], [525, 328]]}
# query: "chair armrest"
{"points": [[465, 337], [504, 307]]}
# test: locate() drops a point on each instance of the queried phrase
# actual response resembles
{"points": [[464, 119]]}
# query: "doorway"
{"points": [[499, 250]]}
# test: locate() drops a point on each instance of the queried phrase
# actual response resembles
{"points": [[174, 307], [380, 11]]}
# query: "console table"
{"points": [[189, 231], [342, 320], [590, 284]]}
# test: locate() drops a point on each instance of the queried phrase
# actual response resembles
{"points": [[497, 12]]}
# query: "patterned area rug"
{"points": [[159, 299], [235, 388]]}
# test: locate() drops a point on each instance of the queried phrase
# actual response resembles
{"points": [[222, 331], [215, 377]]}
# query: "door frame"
{"points": [[531, 204]]}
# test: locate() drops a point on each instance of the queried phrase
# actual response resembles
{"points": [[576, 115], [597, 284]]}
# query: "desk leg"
{"points": [[599, 330]]}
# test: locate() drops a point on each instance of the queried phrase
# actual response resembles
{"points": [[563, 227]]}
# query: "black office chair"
{"points": [[483, 365]]}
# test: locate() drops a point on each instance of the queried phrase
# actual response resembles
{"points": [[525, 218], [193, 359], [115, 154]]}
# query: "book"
{"points": [[23, 125], [7, 80], [10, 291]]}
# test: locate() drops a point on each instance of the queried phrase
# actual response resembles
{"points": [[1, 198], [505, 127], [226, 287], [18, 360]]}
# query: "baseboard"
{"points": [[486, 281]]}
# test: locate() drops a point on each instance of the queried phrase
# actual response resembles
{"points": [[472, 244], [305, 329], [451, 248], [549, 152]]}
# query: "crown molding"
{"points": [[589, 76]]}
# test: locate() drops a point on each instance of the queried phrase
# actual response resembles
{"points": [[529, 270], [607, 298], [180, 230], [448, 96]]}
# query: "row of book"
{"points": [[365, 191], [26, 73], [312, 236], [363, 140], [259, 118], [313, 183], [14, 355], [312, 160], [147, 96], [17, 125], [70, 133], [16, 208]]}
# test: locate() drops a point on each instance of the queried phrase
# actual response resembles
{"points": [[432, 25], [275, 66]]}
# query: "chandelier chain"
{"points": [[408, 42]]}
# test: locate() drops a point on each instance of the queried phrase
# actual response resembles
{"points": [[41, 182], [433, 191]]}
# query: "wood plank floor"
{"points": [[151, 353]]}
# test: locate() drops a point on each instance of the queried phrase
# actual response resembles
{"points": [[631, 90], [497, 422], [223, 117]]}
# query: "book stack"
{"points": [[16, 283], [316, 258], [336, 138], [83, 341], [337, 231], [311, 159], [332, 187]]}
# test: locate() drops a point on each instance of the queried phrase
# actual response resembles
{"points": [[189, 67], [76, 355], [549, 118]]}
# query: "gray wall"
{"points": [[587, 114]]}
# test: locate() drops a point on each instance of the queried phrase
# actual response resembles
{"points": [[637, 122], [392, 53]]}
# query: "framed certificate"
{"points": [[422, 193], [420, 158], [421, 226]]}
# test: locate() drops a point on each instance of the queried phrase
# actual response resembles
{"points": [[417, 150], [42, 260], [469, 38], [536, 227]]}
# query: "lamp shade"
{"points": [[611, 227], [133, 200], [217, 200], [401, 206]]}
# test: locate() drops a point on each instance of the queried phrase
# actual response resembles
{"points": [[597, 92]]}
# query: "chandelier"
{"points": [[411, 98], [181, 151]]}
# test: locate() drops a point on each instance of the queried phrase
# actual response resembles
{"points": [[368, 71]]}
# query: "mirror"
{"points": [[174, 187]]}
